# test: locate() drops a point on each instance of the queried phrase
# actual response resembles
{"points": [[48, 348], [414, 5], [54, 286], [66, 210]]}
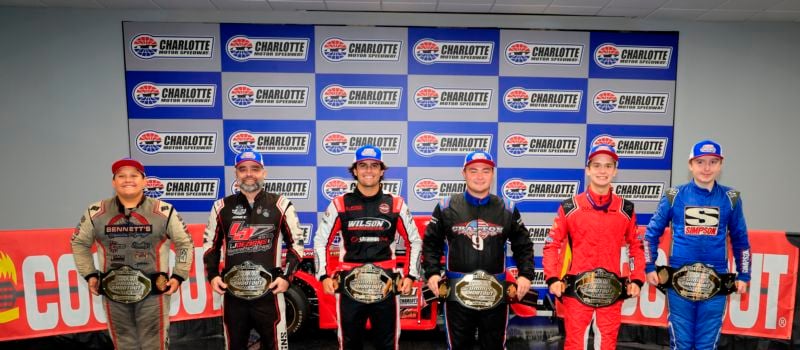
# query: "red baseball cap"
{"points": [[127, 162]]}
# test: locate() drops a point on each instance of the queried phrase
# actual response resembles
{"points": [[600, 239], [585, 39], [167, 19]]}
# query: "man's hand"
{"points": [[633, 290], [557, 288], [330, 285], [433, 284], [94, 285], [278, 285], [523, 286], [173, 285], [405, 286], [218, 286], [741, 287], [652, 278]]}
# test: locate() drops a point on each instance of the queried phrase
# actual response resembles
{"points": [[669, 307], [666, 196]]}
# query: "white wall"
{"points": [[63, 119]]}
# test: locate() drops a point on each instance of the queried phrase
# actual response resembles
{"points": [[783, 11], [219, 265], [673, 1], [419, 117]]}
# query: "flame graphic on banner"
{"points": [[7, 293]]}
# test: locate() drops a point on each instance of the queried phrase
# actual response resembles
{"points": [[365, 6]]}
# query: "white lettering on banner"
{"points": [[774, 266], [37, 319], [72, 316]]}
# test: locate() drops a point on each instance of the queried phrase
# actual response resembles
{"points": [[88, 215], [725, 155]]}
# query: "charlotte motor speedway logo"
{"points": [[428, 189], [430, 51], [245, 96], [521, 53], [429, 144], [518, 99], [607, 101], [270, 142], [154, 142], [338, 50], [243, 48], [516, 189], [149, 95], [610, 55], [518, 145], [159, 188], [428, 97], [337, 143], [336, 97], [335, 186], [635, 146], [148, 46]]}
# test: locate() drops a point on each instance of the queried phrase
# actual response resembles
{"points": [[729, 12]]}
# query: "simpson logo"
{"points": [[147, 46], [268, 142], [338, 50], [525, 190], [522, 145], [430, 189], [153, 142], [369, 224], [538, 233], [244, 96], [639, 191], [289, 188], [610, 101], [445, 98], [181, 188], [242, 48], [639, 147], [428, 144], [520, 100], [701, 221], [338, 143], [519, 53], [149, 95], [345, 97], [613, 56], [429, 51], [9, 311]]}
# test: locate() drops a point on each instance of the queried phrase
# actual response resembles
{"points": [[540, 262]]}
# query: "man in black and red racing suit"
{"points": [[370, 222], [475, 226], [252, 224]]}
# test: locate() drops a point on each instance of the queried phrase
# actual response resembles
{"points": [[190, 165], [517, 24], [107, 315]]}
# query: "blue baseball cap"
{"points": [[478, 157], [249, 155], [368, 152], [706, 148], [602, 148]]}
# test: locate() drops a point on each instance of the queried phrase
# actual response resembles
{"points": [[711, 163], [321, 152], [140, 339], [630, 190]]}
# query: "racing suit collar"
{"points": [[122, 208], [475, 201], [370, 198], [704, 190], [241, 198], [598, 201]]}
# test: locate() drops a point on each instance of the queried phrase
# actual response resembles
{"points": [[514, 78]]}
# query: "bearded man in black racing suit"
{"points": [[370, 222]]}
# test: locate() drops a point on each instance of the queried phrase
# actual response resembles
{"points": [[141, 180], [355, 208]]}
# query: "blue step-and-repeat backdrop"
{"points": [[307, 96]]}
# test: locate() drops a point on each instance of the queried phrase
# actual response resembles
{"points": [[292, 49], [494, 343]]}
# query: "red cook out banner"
{"points": [[42, 295]]}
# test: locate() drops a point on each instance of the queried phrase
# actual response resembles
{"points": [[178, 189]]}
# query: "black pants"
{"points": [[265, 315], [383, 317], [462, 323]]}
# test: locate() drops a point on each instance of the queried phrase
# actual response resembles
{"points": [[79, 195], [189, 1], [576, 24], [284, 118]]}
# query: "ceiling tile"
{"points": [[791, 5], [692, 4], [226, 5], [128, 4], [676, 14], [460, 7], [353, 6], [408, 6], [637, 4], [572, 10], [726, 15], [625, 12], [775, 16], [185, 4], [288, 5], [73, 3], [520, 9], [748, 4]]}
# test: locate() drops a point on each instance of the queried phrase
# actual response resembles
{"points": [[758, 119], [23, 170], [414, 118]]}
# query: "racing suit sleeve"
{"points": [[552, 247], [213, 239], [82, 240], [659, 222], [329, 226], [521, 246], [292, 236], [635, 251], [433, 245], [408, 231], [184, 246], [739, 241]]}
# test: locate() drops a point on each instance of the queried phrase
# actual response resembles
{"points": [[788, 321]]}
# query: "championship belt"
{"points": [[478, 290], [696, 281], [596, 288], [249, 280], [127, 285], [367, 284], [531, 297]]}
